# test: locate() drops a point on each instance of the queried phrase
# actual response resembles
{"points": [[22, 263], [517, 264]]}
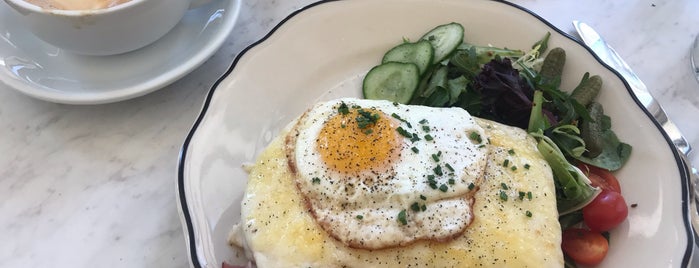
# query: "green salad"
{"points": [[520, 88]]}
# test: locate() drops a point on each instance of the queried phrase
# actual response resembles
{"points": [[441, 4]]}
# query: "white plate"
{"points": [[324, 50], [40, 70]]}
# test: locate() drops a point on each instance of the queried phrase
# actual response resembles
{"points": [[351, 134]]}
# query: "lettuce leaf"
{"points": [[573, 188]]}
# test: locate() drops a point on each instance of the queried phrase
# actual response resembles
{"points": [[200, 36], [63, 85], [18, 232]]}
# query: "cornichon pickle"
{"points": [[591, 131], [588, 90], [552, 68]]}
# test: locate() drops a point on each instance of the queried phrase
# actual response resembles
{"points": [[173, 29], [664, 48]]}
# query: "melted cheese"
{"points": [[277, 230]]}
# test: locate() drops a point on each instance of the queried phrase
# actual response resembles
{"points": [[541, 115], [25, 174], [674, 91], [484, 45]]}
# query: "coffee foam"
{"points": [[76, 4]]}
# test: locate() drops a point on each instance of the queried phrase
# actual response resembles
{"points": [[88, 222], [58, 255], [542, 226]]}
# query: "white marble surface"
{"points": [[94, 186]]}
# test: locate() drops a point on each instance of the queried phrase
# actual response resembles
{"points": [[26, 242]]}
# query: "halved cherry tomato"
{"points": [[606, 211], [600, 177], [584, 246]]}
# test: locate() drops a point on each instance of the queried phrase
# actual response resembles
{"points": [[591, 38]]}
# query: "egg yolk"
{"points": [[359, 140]]}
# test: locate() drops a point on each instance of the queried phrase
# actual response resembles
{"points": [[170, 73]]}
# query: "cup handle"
{"points": [[198, 3]]}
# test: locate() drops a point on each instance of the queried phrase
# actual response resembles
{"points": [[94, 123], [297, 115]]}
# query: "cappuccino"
{"points": [[76, 4]]}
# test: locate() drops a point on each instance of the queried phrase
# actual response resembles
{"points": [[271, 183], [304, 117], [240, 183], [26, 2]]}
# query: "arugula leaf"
{"points": [[567, 137], [573, 188], [537, 121], [438, 79], [466, 62], [532, 60], [542, 44], [485, 54], [456, 87], [614, 153], [471, 102], [438, 98]]}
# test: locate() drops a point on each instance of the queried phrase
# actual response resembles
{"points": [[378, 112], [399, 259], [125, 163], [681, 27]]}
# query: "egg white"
{"points": [[363, 209]]}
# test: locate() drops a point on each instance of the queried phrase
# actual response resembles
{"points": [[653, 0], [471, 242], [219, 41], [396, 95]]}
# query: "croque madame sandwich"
{"points": [[368, 183]]}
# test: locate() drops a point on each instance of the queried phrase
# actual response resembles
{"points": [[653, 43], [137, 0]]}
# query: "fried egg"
{"points": [[377, 174], [298, 211]]}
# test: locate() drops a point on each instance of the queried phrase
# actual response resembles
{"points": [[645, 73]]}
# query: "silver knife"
{"points": [[607, 54], [695, 57]]}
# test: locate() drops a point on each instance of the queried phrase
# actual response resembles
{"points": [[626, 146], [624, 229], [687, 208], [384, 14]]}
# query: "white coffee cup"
{"points": [[108, 31]]}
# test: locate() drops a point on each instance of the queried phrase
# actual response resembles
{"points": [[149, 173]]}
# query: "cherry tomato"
{"points": [[600, 177], [584, 246], [605, 212]]}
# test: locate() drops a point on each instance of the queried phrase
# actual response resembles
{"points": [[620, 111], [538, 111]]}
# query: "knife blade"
{"points": [[609, 56]]}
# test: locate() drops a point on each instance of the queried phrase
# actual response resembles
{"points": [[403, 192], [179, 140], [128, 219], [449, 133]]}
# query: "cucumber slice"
{"points": [[445, 39], [420, 53], [393, 81]]}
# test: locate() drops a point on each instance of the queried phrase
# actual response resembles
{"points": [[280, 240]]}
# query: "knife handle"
{"points": [[670, 128]]}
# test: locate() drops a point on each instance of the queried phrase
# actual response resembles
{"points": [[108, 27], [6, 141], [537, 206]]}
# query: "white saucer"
{"points": [[40, 70]]}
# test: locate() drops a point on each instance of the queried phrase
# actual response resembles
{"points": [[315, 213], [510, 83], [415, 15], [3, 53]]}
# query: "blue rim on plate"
{"points": [[185, 210]]}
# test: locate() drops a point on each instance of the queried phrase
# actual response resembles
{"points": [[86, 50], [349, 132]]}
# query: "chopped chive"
{"points": [[481, 146], [529, 214], [423, 197], [401, 217], [452, 181], [428, 137], [423, 207], [404, 132], [415, 150], [435, 157], [504, 186], [415, 138], [415, 207], [423, 121], [511, 151], [503, 195], [343, 125], [359, 217], [343, 109], [315, 180], [396, 116], [395, 103], [506, 163], [471, 186], [438, 170], [476, 137], [521, 195], [430, 177], [513, 168], [529, 195], [368, 131], [433, 185], [426, 128], [443, 188], [449, 167], [526, 166]]}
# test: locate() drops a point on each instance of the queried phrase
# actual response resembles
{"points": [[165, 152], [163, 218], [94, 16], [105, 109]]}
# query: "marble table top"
{"points": [[94, 186]]}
